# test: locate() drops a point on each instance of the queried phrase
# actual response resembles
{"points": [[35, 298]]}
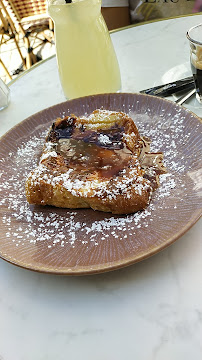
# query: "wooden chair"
{"points": [[33, 24], [8, 34]]}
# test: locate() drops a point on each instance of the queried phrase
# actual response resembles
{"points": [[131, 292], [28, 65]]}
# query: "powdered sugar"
{"points": [[104, 139], [28, 224]]}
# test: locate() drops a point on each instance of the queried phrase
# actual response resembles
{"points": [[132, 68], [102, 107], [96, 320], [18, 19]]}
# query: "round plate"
{"points": [[63, 241]]}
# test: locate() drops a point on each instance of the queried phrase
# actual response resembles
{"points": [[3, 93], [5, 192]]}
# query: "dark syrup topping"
{"points": [[62, 129], [90, 157], [104, 151], [87, 150]]}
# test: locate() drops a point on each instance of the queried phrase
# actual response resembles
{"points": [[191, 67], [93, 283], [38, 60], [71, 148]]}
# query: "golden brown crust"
{"points": [[110, 180], [42, 193]]}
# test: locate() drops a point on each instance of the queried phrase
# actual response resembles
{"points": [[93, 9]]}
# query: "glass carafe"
{"points": [[86, 58]]}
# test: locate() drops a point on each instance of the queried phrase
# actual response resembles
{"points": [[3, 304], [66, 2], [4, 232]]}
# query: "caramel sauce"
{"points": [[90, 157], [104, 152], [87, 150], [151, 163]]}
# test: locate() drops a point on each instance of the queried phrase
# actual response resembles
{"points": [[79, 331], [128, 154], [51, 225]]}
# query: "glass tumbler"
{"points": [[4, 95], [194, 35]]}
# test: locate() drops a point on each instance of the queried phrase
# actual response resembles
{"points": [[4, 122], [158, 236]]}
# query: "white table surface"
{"points": [[149, 311]]}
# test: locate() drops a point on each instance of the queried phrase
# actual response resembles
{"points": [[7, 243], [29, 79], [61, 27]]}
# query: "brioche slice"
{"points": [[93, 162]]}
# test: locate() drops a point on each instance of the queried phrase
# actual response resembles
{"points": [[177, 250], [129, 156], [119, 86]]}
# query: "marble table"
{"points": [[151, 310]]}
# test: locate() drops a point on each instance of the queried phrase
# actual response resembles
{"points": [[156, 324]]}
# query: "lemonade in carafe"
{"points": [[86, 58]]}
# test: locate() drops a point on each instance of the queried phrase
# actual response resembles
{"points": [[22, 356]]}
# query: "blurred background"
{"points": [[26, 36], [27, 32]]}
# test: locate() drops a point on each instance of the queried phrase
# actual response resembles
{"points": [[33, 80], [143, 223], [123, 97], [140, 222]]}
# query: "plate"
{"points": [[62, 241]]}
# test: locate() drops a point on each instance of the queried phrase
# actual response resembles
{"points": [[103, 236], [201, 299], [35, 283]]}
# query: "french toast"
{"points": [[97, 162]]}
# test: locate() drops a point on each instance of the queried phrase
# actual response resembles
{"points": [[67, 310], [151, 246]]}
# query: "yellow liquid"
{"points": [[86, 58]]}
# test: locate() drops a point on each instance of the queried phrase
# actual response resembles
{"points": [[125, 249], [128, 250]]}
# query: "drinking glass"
{"points": [[86, 58], [194, 35], [4, 95]]}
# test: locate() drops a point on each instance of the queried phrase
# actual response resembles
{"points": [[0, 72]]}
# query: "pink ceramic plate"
{"points": [[63, 241]]}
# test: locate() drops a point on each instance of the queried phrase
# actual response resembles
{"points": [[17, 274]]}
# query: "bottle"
{"points": [[86, 58]]}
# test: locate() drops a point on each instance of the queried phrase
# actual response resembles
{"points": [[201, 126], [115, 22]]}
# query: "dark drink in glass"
{"points": [[194, 36]]}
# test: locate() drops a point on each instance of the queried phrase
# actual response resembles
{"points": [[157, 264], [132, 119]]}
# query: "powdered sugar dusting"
{"points": [[62, 228]]}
